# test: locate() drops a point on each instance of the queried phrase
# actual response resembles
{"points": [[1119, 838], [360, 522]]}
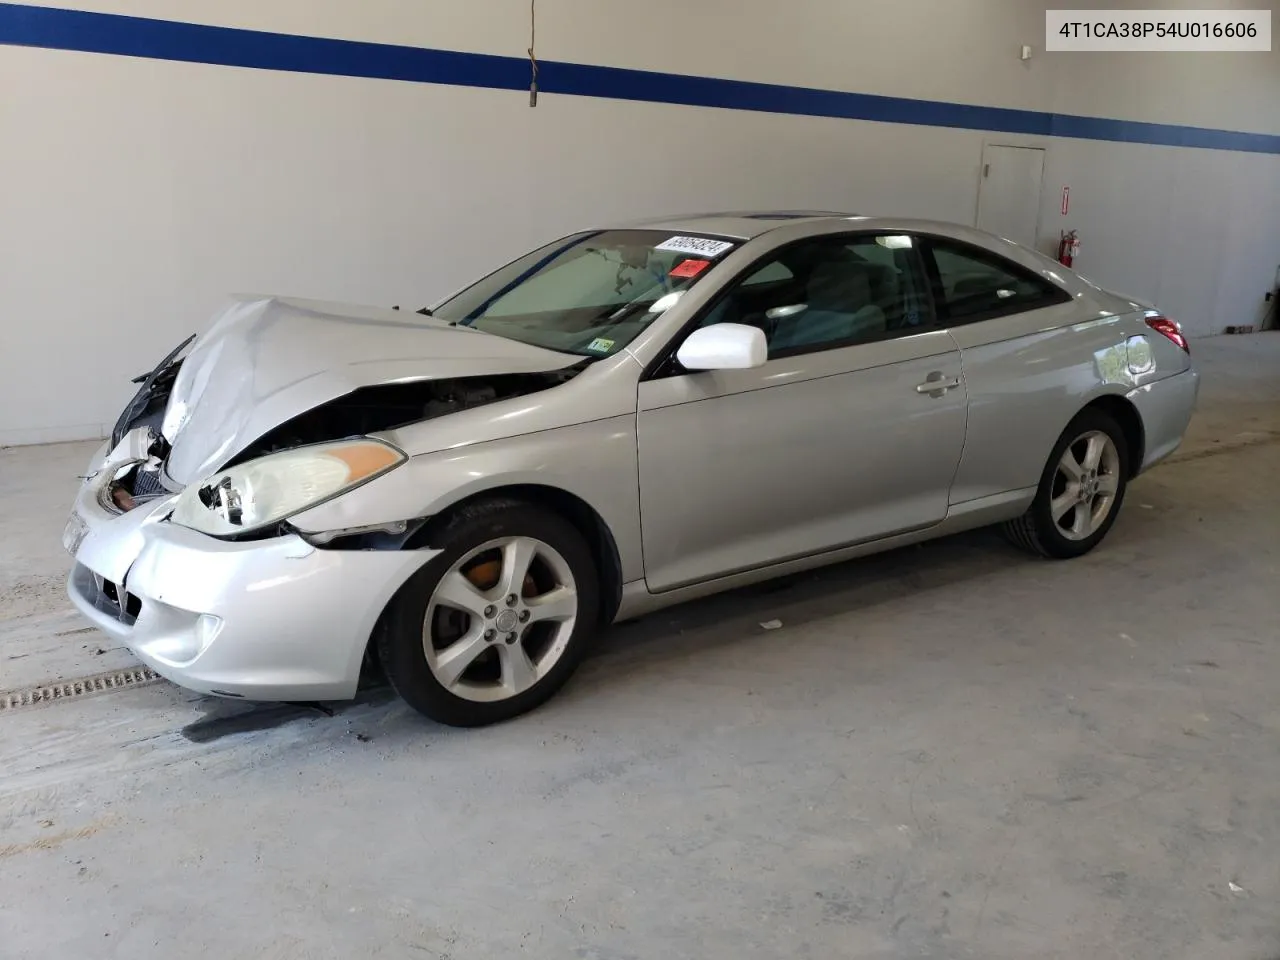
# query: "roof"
{"points": [[741, 225], [751, 224]]}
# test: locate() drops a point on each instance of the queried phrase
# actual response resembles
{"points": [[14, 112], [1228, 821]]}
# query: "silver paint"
{"points": [[703, 481], [266, 360], [854, 453], [498, 618]]}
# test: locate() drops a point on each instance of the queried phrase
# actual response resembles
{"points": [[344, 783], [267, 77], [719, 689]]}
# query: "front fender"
{"points": [[595, 462]]}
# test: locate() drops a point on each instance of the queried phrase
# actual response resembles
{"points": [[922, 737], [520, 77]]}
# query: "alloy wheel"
{"points": [[1085, 485], [500, 619]]}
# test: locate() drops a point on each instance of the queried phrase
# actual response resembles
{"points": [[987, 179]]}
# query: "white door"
{"points": [[1009, 193]]}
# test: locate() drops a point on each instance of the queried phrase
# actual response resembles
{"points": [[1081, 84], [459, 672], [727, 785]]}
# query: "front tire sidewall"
{"points": [[400, 643], [1051, 539]]}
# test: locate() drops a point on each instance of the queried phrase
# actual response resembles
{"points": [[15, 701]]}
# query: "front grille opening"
{"points": [[106, 596], [125, 602]]}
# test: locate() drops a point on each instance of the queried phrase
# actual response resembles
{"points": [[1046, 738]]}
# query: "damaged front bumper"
{"points": [[269, 619]]}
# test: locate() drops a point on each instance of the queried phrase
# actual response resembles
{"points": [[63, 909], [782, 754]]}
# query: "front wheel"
{"points": [[495, 624], [1080, 491]]}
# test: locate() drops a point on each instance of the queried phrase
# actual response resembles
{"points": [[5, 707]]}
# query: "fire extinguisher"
{"points": [[1069, 248]]}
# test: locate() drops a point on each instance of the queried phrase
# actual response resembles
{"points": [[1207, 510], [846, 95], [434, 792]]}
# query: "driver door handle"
{"points": [[936, 386]]}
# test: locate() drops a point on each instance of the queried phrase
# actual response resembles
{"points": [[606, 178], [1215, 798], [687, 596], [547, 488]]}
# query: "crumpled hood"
{"points": [[265, 360]]}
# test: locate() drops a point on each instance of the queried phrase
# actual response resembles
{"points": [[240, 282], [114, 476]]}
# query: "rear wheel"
{"points": [[1080, 491], [495, 624]]}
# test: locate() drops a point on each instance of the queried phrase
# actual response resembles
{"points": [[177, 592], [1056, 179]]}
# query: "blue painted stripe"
{"points": [[51, 28]]}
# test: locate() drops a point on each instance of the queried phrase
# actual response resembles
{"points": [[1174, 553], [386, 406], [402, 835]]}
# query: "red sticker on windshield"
{"points": [[689, 268]]}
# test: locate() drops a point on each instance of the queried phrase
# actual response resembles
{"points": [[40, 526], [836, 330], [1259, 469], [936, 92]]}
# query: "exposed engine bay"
{"points": [[135, 484], [141, 481], [388, 406], [359, 413], [147, 405]]}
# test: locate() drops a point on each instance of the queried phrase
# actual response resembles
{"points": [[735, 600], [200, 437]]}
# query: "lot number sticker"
{"points": [[699, 246]]}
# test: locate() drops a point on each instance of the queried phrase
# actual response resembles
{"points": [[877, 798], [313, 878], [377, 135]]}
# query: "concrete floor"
{"points": [[948, 751]]}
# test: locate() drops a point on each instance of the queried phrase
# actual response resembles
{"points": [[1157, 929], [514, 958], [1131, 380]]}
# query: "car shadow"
{"points": [[805, 598], [680, 631], [224, 717], [684, 630]]}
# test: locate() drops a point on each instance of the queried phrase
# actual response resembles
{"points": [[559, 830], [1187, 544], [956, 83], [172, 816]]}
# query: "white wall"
{"points": [[135, 194]]}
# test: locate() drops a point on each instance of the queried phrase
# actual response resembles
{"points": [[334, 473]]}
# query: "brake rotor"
{"points": [[484, 576]]}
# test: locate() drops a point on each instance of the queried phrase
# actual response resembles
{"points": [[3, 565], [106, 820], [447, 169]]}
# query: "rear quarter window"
{"points": [[972, 284]]}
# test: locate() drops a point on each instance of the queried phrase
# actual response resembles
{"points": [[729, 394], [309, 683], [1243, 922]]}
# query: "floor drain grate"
{"points": [[71, 689]]}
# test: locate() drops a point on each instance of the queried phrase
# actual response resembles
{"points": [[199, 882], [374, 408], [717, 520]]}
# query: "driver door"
{"points": [[850, 431]]}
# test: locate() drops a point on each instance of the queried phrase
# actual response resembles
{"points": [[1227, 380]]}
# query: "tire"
{"points": [[494, 654], [1082, 527]]}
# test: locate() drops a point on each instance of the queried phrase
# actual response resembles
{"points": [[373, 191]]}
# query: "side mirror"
{"points": [[724, 346]]}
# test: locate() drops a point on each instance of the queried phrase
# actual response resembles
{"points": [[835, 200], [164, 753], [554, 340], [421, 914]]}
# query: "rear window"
{"points": [[591, 293]]}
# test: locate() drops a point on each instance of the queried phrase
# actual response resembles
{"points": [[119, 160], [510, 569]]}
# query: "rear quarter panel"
{"points": [[1029, 374]]}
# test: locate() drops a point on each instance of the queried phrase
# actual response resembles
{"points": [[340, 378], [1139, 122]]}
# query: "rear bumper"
{"points": [[272, 619], [1165, 407]]}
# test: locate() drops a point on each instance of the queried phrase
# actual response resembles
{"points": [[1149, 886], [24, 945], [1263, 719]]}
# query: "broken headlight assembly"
{"points": [[262, 492]]}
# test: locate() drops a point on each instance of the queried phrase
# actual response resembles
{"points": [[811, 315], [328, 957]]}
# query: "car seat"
{"points": [[840, 308]]}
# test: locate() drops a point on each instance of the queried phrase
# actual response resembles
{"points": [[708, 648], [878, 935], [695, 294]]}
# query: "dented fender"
{"points": [[594, 461]]}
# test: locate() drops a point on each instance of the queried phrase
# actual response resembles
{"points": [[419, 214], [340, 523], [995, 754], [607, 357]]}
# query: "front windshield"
{"points": [[591, 293]]}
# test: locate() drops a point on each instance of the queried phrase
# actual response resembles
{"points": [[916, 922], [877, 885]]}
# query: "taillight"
{"points": [[1170, 329]]}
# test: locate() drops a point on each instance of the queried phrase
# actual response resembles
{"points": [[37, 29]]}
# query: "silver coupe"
{"points": [[626, 418]]}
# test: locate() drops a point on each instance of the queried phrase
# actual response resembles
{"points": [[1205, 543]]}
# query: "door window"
{"points": [[830, 292], [976, 285]]}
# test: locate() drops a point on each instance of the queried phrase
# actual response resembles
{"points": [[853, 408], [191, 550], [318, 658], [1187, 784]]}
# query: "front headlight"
{"points": [[267, 490]]}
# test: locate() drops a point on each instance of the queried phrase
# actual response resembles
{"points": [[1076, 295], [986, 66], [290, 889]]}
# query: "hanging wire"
{"points": [[533, 60]]}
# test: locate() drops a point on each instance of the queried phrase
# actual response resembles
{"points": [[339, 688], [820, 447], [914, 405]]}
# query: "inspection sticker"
{"points": [[689, 268], [600, 345], [700, 246]]}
